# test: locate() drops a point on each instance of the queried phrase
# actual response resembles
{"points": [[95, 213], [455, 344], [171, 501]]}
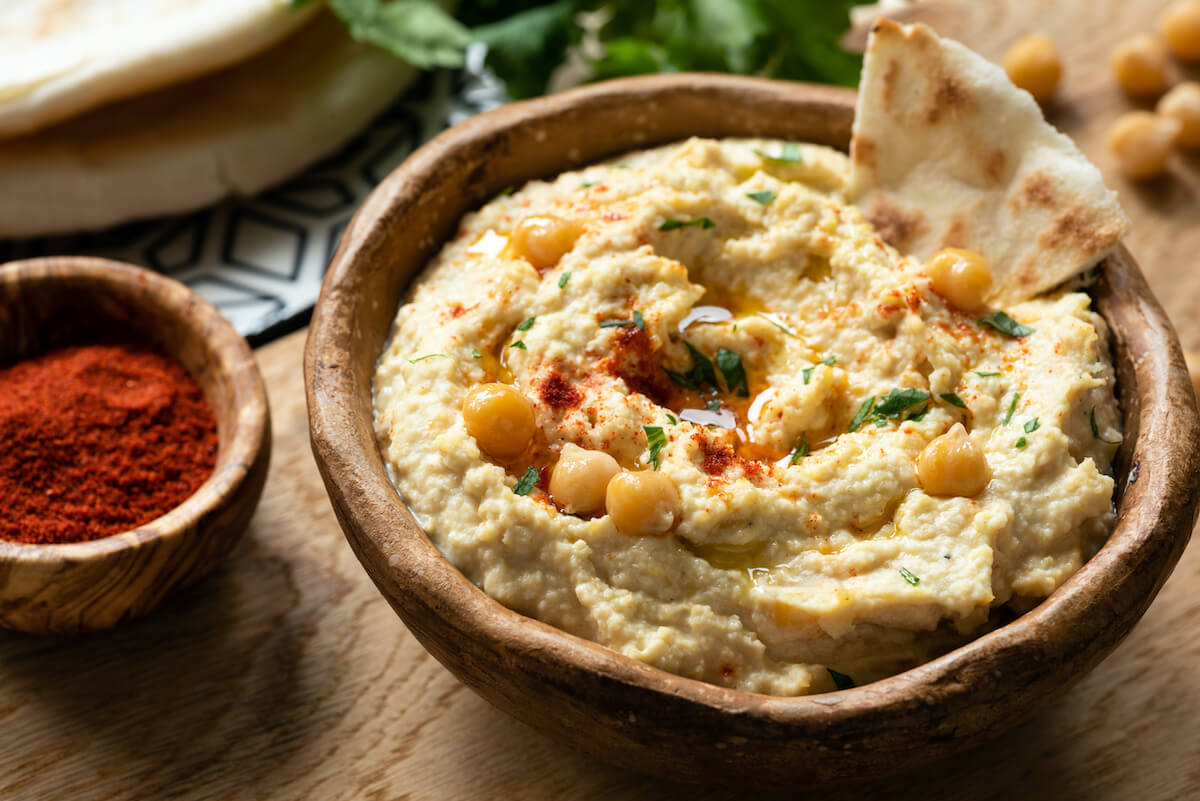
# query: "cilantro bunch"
{"points": [[528, 39]]}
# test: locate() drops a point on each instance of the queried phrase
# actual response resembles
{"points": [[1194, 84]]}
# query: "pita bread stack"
{"points": [[947, 152], [112, 110]]}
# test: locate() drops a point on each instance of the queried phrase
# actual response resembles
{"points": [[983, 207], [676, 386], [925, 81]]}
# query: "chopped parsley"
{"points": [[917, 417], [475, 354], [899, 400], [808, 371], [656, 439], [527, 481], [1012, 407], [527, 324], [1020, 443], [861, 415], [909, 577], [1096, 430], [765, 197], [841, 680], [1005, 325], [520, 343], [982, 374], [702, 371], [506, 191], [788, 154], [1032, 425], [638, 322], [563, 279], [801, 451], [671, 417], [700, 222], [730, 365], [586, 184], [953, 400], [713, 405], [426, 356], [773, 322]]}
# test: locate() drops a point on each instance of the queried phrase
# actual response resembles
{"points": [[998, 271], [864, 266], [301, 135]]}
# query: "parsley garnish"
{"points": [[1012, 407], [1096, 430], [616, 323], [730, 365], [1021, 443], [713, 405], [766, 197], [426, 356], [702, 371], [807, 371], [982, 374], [671, 417], [909, 577], [1006, 325], [772, 322], [863, 411], [898, 400], [506, 191], [1032, 425], [700, 222], [563, 279], [801, 451], [527, 482], [475, 354], [586, 184], [788, 154], [527, 324], [953, 400], [656, 439], [917, 417], [841, 680], [639, 320], [520, 343]]}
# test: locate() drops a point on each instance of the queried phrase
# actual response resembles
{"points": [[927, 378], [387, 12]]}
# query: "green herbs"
{"points": [[861, 415], [527, 482], [909, 577], [712, 405], [563, 279], [788, 154], [953, 400], [638, 322], [899, 400], [1012, 407], [730, 365], [702, 372], [801, 451], [1029, 427], [773, 322], [808, 371], [671, 417], [765, 197], [699, 222], [656, 439], [840, 680], [1096, 429], [1005, 325], [1021, 442], [1032, 425], [527, 324], [475, 354], [520, 344], [426, 356], [917, 417], [982, 374], [416, 31]]}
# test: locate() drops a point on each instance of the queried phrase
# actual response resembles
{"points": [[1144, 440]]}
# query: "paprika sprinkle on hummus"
{"points": [[98, 439]]}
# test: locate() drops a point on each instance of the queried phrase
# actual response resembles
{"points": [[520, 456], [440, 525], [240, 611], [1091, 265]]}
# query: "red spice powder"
{"points": [[558, 393], [98, 439]]}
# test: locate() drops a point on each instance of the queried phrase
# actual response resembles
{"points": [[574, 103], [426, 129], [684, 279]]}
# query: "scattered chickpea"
{"points": [[962, 277], [643, 503], [953, 464], [1033, 64], [500, 419], [542, 239], [580, 479], [1140, 65], [1181, 28], [1141, 142], [1182, 103]]}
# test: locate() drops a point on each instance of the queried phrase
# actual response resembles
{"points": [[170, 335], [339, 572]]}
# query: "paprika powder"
{"points": [[98, 439]]}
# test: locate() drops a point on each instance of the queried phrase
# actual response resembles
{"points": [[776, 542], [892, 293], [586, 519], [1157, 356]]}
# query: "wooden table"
{"points": [[284, 675]]}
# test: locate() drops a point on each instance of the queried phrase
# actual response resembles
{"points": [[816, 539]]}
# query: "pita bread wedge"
{"points": [[233, 132], [947, 152], [59, 58]]}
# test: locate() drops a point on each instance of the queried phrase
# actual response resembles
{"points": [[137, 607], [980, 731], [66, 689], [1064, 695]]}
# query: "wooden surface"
{"points": [[284, 675]]}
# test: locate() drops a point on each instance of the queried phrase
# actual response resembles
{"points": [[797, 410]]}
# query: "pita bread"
{"points": [[947, 152], [237, 131], [59, 58]]}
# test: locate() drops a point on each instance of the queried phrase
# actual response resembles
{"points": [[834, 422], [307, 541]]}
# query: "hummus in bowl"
{"points": [[715, 311]]}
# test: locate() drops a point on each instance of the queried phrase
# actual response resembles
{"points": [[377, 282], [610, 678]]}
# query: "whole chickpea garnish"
{"points": [[1033, 64], [962, 277], [1142, 142], [1180, 26], [1182, 104], [1140, 65], [500, 419]]}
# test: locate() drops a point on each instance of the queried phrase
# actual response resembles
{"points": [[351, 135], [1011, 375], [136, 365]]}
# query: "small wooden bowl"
{"points": [[94, 585], [627, 712]]}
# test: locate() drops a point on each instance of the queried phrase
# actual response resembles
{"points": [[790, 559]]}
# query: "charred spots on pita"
{"points": [[891, 76], [1036, 190], [956, 233], [1072, 229], [949, 96], [863, 152], [897, 226], [994, 166]]}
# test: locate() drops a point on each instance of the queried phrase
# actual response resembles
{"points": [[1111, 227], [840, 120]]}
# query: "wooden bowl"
{"points": [[94, 585], [629, 713]]}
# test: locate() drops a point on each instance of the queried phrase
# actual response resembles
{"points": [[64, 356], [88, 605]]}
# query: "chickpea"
{"points": [[580, 479], [953, 465], [961, 277], [1181, 28], [643, 503], [1142, 142], [500, 419], [1033, 64], [1140, 65], [1183, 105], [542, 239]]}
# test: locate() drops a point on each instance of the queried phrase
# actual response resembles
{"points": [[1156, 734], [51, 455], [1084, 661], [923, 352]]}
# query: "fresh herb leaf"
{"points": [[898, 400], [909, 577], [527, 324], [730, 365], [1096, 430], [1012, 407], [801, 451], [713, 405], [702, 372], [587, 184], [788, 154], [982, 374], [563, 279], [525, 47], [861, 415], [426, 356], [639, 320], [475, 354], [1006, 325], [917, 417], [416, 31], [699, 222], [841, 680], [765, 197], [519, 344], [671, 417], [1020, 443], [808, 371], [773, 322], [656, 439], [1032, 425], [527, 481], [953, 400]]}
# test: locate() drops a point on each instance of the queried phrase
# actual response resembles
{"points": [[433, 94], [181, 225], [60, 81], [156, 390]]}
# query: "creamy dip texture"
{"points": [[715, 312]]}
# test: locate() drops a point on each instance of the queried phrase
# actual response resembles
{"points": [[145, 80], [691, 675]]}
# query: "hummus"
{"points": [[720, 314]]}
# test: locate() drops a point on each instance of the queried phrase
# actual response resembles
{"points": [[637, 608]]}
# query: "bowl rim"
{"points": [[1164, 491], [239, 447]]}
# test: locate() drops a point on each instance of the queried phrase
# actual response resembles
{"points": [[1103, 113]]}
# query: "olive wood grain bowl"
{"points": [[629, 713], [72, 587]]}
